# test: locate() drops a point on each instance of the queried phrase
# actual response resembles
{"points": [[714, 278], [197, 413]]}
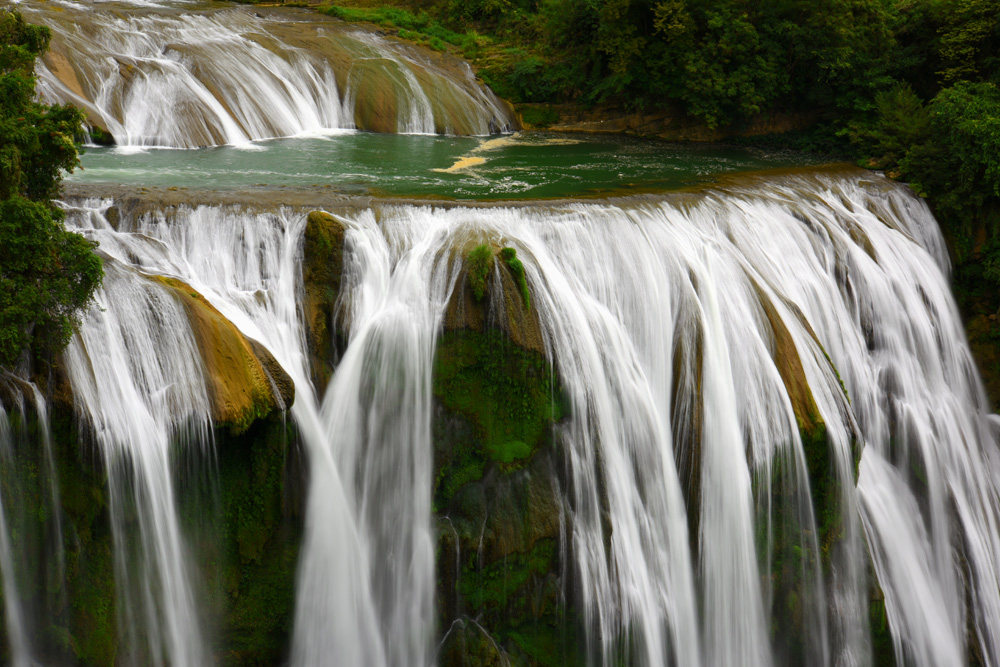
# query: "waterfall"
{"points": [[138, 382], [180, 77], [366, 574], [28, 406], [13, 613], [774, 415]]}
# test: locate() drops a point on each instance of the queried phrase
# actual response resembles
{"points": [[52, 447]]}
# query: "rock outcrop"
{"points": [[322, 266], [501, 575], [245, 382]]}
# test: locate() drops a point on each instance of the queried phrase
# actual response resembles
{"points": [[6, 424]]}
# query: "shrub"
{"points": [[47, 274]]}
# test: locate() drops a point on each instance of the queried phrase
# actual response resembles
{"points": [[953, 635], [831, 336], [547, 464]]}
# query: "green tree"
{"points": [[958, 165], [47, 274]]}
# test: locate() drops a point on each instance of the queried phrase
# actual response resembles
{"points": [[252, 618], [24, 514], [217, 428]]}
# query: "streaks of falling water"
{"points": [[14, 441], [13, 614], [138, 380], [180, 77], [672, 322], [366, 573]]}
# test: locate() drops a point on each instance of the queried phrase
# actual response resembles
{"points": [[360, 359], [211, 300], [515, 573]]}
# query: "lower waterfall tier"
{"points": [[737, 425]]}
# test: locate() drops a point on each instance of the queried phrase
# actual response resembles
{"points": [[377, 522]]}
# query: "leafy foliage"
{"points": [[46, 273], [958, 163]]}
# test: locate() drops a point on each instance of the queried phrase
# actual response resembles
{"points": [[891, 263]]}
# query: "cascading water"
{"points": [[24, 427], [180, 77], [138, 381], [13, 613], [768, 382], [366, 574]]}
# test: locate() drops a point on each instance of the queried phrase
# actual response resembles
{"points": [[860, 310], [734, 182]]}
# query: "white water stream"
{"points": [[182, 75], [655, 312], [13, 613]]}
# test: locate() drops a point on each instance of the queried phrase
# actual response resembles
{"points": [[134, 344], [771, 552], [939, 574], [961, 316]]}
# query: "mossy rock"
{"points": [[323, 262], [467, 644], [247, 543], [245, 382], [478, 303], [101, 136], [508, 394], [376, 108], [496, 491], [883, 651]]}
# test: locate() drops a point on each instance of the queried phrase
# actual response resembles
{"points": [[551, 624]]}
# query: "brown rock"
{"points": [[245, 382], [323, 261]]}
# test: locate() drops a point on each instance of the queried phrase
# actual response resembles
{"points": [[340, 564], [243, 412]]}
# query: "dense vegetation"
{"points": [[46, 273]]}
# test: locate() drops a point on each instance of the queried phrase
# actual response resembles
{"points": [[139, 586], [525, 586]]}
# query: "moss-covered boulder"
{"points": [[501, 573], [245, 382], [323, 263], [492, 293]]}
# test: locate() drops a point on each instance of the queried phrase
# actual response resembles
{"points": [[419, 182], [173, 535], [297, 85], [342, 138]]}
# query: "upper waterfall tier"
{"points": [[181, 75]]}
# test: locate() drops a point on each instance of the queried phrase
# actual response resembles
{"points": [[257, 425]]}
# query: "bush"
{"points": [[47, 274], [959, 164]]}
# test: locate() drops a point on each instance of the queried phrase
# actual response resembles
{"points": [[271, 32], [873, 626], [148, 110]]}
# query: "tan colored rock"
{"points": [[793, 375], [245, 382]]}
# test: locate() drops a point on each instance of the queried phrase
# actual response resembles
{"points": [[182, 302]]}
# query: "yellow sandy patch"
{"points": [[462, 163], [499, 142]]}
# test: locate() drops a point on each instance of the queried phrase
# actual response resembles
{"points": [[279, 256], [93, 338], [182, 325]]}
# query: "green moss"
{"points": [[478, 264], [825, 489], [417, 27], [322, 268], [241, 524], [90, 571], [509, 452], [882, 649], [843, 387], [519, 601], [785, 539], [79, 601], [243, 527], [261, 405], [506, 394], [101, 137], [323, 253], [509, 256], [495, 585], [466, 468]]}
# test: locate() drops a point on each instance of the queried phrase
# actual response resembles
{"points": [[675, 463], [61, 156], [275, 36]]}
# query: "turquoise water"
{"points": [[519, 166]]}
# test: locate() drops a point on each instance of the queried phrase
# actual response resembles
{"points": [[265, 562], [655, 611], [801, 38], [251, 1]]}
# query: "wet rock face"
{"points": [[323, 262], [502, 572], [245, 382], [243, 524]]}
